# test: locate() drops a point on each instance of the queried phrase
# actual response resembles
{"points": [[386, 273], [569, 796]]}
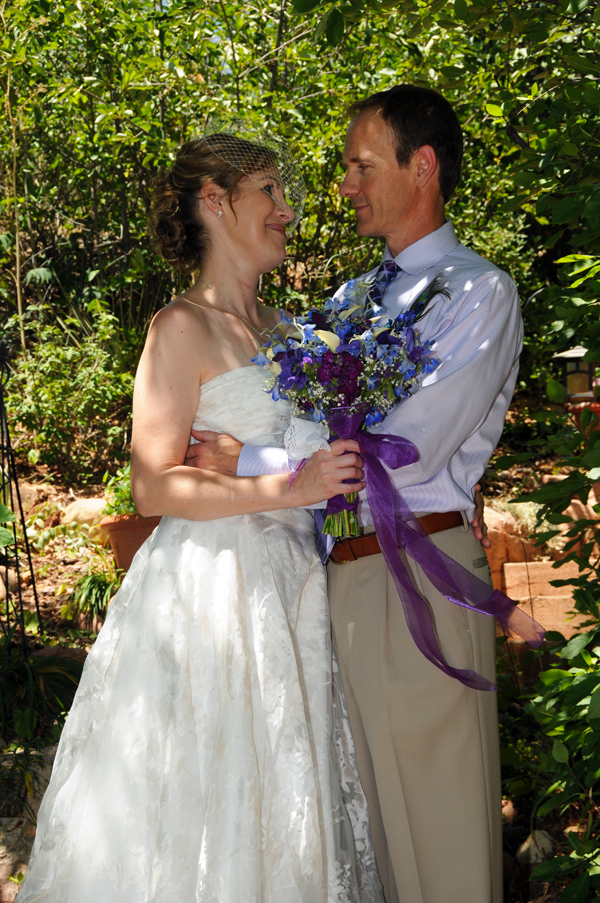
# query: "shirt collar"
{"points": [[427, 251]]}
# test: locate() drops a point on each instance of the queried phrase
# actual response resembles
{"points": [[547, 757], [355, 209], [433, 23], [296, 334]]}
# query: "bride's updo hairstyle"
{"points": [[178, 230]]}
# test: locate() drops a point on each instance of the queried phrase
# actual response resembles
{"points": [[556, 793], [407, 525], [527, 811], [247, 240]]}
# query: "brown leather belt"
{"points": [[360, 546]]}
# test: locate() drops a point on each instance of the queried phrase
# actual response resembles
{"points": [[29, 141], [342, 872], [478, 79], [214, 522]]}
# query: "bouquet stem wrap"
{"points": [[341, 513], [398, 528]]}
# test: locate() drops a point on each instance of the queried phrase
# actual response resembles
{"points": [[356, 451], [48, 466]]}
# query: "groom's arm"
{"points": [[471, 389], [221, 453]]}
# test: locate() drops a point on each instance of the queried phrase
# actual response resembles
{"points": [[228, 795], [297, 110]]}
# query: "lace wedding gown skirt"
{"points": [[201, 759]]}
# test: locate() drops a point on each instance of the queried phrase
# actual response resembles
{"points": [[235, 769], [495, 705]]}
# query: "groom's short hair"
{"points": [[420, 116]]}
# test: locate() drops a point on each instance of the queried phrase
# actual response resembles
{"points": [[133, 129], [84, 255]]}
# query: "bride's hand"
{"points": [[324, 474]]}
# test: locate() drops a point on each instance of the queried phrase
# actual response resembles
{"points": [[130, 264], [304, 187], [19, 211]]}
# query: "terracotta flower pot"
{"points": [[579, 408], [126, 534]]}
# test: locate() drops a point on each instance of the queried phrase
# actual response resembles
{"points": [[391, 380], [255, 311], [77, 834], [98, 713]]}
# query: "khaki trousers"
{"points": [[427, 746]]}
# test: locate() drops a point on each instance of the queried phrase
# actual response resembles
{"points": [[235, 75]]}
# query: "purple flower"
{"points": [[340, 373], [292, 374], [317, 318], [385, 338]]}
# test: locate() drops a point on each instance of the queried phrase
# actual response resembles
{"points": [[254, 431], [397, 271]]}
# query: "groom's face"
{"points": [[382, 193]]}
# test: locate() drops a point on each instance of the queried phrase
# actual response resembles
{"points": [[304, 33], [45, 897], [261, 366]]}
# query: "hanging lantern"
{"points": [[578, 376]]}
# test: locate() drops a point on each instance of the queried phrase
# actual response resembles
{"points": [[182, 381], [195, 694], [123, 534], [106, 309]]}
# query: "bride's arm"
{"points": [[166, 395]]}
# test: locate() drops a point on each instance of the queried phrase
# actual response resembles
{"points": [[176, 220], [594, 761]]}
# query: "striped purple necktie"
{"points": [[386, 273]]}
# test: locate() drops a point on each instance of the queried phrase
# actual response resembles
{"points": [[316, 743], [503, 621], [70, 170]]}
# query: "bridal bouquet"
{"points": [[347, 366], [343, 369]]}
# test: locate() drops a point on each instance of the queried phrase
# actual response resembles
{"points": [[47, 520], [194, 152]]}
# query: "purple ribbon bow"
{"points": [[398, 528]]}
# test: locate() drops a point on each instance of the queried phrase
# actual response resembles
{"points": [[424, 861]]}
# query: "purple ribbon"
{"points": [[398, 528]]}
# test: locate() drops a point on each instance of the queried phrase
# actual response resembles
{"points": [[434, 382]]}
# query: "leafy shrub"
{"points": [[567, 706], [93, 591], [71, 399], [35, 694], [119, 497], [19, 776]]}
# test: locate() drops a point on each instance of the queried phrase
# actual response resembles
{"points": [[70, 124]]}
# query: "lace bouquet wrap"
{"points": [[345, 367]]}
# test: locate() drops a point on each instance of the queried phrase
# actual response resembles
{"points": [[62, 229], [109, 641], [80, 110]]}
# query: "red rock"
{"points": [[522, 581], [552, 613]]}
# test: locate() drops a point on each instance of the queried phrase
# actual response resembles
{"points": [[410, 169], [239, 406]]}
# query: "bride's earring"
{"points": [[219, 214]]}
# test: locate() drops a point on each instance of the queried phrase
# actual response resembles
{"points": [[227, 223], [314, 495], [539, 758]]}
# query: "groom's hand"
{"points": [[218, 452], [480, 532]]}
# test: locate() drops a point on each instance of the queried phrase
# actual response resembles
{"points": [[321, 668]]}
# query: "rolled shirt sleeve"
{"points": [[259, 460], [456, 417]]}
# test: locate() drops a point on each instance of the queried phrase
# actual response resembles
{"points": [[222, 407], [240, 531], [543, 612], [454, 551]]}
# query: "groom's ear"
{"points": [[425, 165]]}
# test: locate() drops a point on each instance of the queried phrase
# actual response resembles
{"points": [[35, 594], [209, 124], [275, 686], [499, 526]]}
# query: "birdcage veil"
{"points": [[252, 150]]}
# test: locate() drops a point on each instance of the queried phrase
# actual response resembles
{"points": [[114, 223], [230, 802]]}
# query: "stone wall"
{"points": [[525, 572]]}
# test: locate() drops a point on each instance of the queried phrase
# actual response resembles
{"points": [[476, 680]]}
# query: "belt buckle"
{"points": [[340, 541]]}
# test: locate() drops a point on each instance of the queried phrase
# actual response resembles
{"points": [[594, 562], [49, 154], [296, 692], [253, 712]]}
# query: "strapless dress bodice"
{"points": [[236, 403]]}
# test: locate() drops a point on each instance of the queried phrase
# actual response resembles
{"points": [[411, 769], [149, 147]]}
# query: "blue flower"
{"points": [[409, 337], [373, 417], [261, 359], [407, 368], [342, 329], [354, 347], [430, 365]]}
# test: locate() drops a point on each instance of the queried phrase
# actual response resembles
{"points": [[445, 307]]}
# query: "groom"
{"points": [[427, 746]]}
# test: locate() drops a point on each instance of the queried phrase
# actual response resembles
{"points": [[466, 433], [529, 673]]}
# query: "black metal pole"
{"points": [[10, 496]]}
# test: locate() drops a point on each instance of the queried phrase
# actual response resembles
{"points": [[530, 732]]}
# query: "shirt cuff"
{"points": [[263, 460], [259, 461]]}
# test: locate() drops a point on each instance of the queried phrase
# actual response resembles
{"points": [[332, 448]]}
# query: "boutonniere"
{"points": [[439, 287]]}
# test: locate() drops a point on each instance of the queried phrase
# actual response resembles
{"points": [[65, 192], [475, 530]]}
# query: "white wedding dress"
{"points": [[201, 760]]}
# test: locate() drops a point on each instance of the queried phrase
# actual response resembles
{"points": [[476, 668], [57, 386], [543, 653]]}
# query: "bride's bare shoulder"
{"points": [[179, 316], [178, 331]]}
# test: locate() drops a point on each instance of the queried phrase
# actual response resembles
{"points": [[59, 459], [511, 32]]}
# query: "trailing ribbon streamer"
{"points": [[398, 528]]}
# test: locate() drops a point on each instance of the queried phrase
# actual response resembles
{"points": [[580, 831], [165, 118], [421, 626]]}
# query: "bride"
{"points": [[204, 756]]}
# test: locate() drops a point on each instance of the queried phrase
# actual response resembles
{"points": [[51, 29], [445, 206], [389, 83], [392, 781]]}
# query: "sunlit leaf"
{"points": [[6, 537]]}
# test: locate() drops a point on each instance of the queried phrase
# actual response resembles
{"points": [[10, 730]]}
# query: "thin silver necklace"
{"points": [[233, 311]]}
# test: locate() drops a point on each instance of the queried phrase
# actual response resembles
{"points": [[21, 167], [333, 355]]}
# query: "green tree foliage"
{"points": [[99, 96], [71, 396]]}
